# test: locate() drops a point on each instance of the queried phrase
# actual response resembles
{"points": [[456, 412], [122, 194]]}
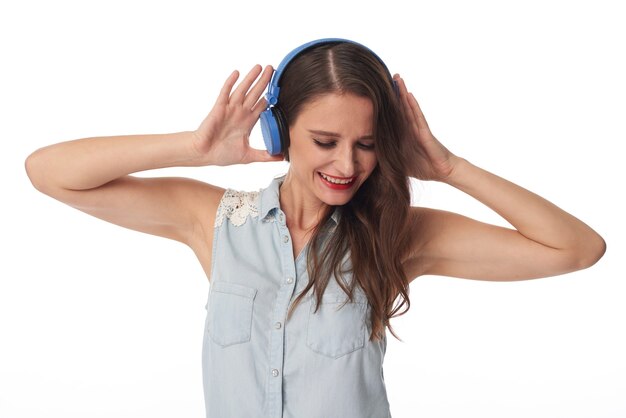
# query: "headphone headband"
{"points": [[273, 88]]}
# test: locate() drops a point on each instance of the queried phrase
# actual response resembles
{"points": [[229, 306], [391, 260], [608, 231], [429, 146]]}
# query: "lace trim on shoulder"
{"points": [[237, 206]]}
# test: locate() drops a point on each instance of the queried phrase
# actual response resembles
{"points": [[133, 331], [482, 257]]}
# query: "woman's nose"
{"points": [[346, 161]]}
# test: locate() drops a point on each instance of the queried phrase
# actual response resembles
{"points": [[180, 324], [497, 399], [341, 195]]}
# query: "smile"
{"points": [[337, 180], [337, 183]]}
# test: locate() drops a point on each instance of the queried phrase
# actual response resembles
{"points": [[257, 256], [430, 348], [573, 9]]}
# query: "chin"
{"points": [[336, 201], [337, 198]]}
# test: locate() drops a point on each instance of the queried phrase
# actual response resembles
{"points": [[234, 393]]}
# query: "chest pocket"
{"points": [[229, 313], [334, 331]]}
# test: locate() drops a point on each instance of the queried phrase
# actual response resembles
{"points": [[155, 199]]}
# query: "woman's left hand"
{"points": [[430, 160]]}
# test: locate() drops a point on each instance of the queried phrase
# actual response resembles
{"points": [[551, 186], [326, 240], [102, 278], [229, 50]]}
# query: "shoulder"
{"points": [[237, 206]]}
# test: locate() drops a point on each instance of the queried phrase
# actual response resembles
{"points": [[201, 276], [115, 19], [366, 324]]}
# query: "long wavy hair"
{"points": [[373, 224]]}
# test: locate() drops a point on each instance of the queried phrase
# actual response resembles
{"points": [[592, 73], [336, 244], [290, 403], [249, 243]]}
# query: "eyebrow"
{"points": [[335, 135]]}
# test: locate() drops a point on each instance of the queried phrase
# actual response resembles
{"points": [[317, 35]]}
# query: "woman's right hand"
{"points": [[223, 137]]}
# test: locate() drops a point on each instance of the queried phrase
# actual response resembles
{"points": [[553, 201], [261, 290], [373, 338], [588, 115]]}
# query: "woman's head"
{"points": [[339, 88]]}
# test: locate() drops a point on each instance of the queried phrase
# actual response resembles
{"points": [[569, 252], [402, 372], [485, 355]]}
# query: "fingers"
{"points": [[402, 91], [259, 107], [411, 109], [240, 92], [407, 109], [249, 98], [404, 98], [227, 87], [421, 120], [257, 90]]}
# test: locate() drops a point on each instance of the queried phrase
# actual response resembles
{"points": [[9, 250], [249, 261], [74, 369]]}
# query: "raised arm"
{"points": [[93, 174], [546, 241]]}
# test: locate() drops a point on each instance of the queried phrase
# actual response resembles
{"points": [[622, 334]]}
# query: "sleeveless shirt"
{"points": [[255, 362]]}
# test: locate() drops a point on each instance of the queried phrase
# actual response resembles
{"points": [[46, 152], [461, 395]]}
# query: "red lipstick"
{"points": [[336, 186]]}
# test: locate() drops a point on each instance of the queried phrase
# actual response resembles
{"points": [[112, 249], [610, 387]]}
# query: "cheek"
{"points": [[303, 158], [371, 162], [310, 154]]}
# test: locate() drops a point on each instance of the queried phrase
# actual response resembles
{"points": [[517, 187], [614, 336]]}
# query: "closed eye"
{"points": [[331, 144], [366, 146], [324, 144]]}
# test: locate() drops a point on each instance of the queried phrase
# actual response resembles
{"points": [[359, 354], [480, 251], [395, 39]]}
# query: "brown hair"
{"points": [[373, 224]]}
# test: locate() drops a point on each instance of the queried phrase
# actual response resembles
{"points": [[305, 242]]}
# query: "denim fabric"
{"points": [[316, 365]]}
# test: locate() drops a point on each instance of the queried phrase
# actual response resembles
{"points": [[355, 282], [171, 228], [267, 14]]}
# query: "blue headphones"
{"points": [[273, 124]]}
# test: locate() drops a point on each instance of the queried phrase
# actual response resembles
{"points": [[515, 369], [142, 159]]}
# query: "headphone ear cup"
{"points": [[283, 128], [270, 129]]}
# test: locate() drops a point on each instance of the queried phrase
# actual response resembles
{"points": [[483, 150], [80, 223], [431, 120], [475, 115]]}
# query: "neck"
{"points": [[302, 208]]}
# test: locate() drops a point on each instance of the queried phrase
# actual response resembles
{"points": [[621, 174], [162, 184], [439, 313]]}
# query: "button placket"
{"points": [[275, 385]]}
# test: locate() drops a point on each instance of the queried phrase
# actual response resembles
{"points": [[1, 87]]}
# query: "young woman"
{"points": [[306, 273]]}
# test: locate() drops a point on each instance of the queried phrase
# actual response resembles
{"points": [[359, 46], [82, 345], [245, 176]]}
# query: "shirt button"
{"points": [[285, 238], [281, 217], [277, 325], [289, 280], [274, 372]]}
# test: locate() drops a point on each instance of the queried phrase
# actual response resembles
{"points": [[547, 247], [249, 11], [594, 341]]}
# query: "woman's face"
{"points": [[332, 146]]}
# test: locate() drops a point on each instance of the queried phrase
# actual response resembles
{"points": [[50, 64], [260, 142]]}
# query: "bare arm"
{"points": [[93, 174], [88, 163], [546, 240]]}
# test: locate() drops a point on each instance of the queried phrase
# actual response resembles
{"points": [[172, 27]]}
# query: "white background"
{"points": [[100, 321]]}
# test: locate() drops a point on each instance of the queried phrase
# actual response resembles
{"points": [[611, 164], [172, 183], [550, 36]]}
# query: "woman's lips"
{"points": [[337, 186]]}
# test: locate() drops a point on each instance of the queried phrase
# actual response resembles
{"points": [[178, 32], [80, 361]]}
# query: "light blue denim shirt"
{"points": [[255, 364]]}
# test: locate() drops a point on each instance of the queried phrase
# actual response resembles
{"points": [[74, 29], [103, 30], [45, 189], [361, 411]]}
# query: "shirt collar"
{"points": [[270, 200]]}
